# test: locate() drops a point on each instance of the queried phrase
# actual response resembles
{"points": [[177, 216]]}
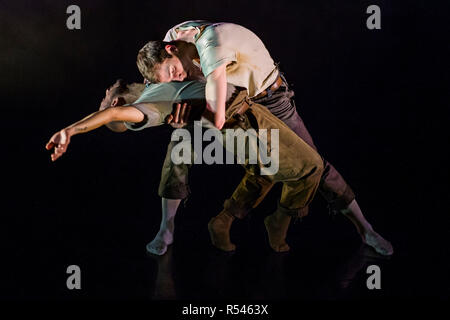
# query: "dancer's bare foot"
{"points": [[159, 245], [276, 230], [219, 231], [381, 245], [368, 235]]}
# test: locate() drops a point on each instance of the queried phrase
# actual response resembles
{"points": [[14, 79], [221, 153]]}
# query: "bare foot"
{"points": [[381, 245], [159, 245]]}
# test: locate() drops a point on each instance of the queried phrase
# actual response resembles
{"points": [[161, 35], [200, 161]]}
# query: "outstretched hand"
{"points": [[59, 141]]}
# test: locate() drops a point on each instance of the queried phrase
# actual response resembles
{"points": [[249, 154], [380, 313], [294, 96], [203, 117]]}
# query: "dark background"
{"points": [[375, 101]]}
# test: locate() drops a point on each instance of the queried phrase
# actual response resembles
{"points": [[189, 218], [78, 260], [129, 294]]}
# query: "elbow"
{"points": [[116, 126], [113, 114]]}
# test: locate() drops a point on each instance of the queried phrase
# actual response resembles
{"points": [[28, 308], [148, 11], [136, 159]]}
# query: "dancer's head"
{"points": [[160, 61], [121, 93]]}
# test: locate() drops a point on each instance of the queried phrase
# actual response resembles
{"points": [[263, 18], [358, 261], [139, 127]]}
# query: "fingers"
{"points": [[177, 113], [49, 145], [188, 113], [180, 114], [58, 152], [169, 119], [55, 156], [54, 140], [183, 113], [59, 143]]}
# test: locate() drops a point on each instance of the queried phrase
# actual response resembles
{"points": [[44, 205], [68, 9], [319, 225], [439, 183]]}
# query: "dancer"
{"points": [[230, 53]]}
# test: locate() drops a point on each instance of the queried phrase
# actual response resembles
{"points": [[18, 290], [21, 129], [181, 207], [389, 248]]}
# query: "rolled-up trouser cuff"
{"points": [[343, 201], [174, 177], [235, 209], [179, 191], [300, 212]]}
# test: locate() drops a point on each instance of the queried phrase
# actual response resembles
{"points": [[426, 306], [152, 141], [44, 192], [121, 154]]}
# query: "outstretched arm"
{"points": [[60, 140], [116, 126]]}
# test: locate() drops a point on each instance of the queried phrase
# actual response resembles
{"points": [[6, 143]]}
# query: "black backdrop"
{"points": [[373, 100]]}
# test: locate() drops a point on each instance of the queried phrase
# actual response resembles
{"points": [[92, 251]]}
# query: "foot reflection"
{"points": [[218, 278], [260, 275], [272, 278], [352, 269], [164, 284]]}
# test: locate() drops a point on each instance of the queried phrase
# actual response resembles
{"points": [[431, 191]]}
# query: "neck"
{"points": [[188, 50], [188, 53]]}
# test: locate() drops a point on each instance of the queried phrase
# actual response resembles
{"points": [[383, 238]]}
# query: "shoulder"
{"points": [[223, 32], [169, 91], [156, 91], [172, 32]]}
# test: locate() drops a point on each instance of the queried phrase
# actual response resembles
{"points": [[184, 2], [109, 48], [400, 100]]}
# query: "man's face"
{"points": [[171, 69]]}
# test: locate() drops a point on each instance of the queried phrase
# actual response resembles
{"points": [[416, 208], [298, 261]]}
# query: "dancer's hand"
{"points": [[180, 116], [60, 141]]}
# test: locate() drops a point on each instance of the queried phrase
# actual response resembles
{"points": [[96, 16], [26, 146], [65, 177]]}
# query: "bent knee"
{"points": [[317, 163]]}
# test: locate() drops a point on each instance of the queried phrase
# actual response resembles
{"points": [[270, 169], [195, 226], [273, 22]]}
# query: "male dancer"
{"points": [[231, 53]]}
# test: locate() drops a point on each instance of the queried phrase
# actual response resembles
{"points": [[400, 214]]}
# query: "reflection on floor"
{"points": [[327, 261], [268, 280]]}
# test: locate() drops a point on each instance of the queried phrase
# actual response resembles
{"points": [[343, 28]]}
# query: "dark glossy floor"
{"points": [[106, 237]]}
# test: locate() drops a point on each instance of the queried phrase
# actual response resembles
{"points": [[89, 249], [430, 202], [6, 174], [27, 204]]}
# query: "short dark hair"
{"points": [[152, 54], [121, 89], [130, 92]]}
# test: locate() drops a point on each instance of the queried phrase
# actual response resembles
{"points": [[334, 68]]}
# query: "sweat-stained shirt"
{"points": [[251, 66]]}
